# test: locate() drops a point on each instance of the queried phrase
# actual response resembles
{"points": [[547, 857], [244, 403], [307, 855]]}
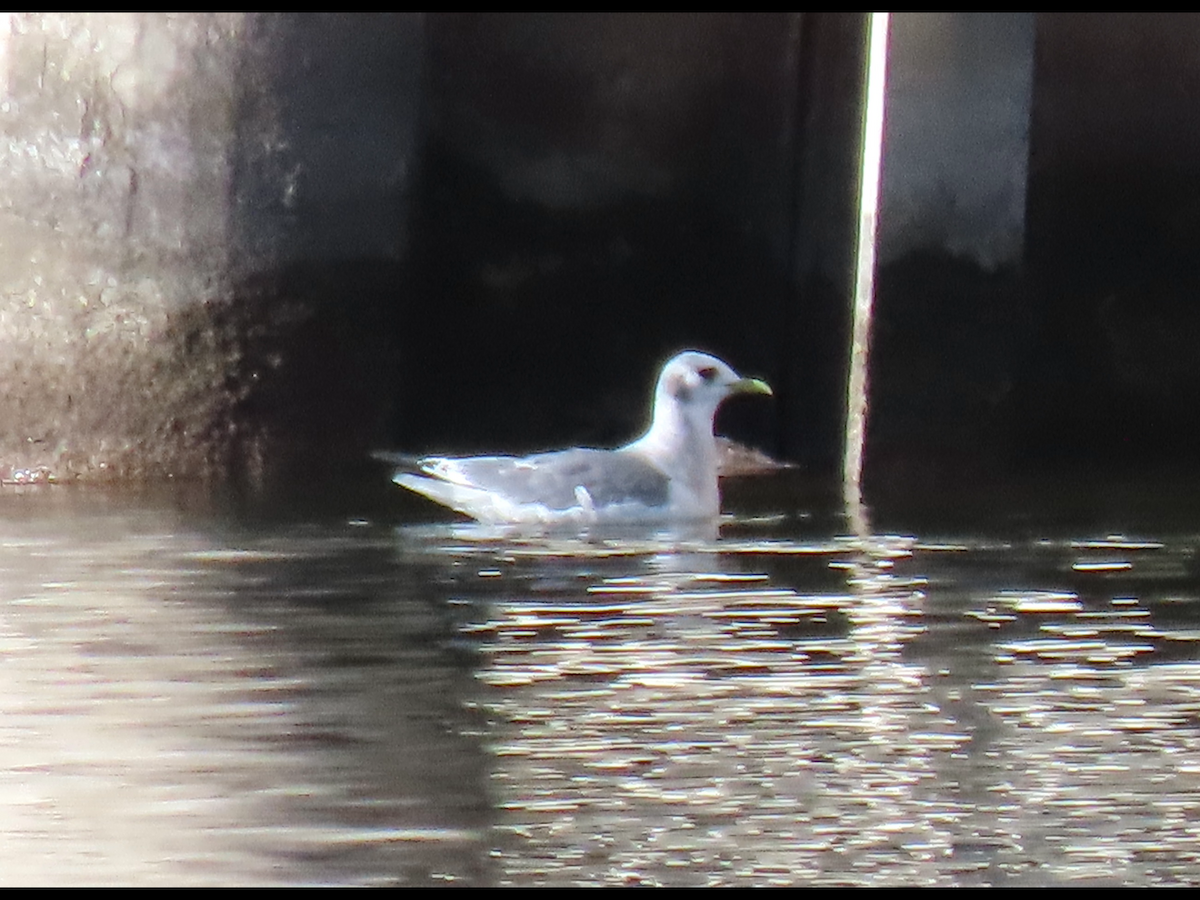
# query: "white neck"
{"points": [[681, 445]]}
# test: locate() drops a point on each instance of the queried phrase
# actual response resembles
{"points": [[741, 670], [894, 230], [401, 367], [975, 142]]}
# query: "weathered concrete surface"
{"points": [[151, 197], [951, 326], [113, 179], [957, 136]]}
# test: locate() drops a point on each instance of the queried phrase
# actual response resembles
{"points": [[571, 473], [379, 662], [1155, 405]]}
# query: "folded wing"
{"points": [[578, 483]]}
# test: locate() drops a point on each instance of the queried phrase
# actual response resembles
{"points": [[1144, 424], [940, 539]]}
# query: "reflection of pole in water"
{"points": [[864, 270]]}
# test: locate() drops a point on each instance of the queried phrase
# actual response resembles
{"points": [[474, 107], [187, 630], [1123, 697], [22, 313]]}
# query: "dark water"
{"points": [[193, 695]]}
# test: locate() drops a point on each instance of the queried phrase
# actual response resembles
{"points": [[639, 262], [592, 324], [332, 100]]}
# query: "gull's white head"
{"points": [[680, 441], [695, 383], [690, 388]]}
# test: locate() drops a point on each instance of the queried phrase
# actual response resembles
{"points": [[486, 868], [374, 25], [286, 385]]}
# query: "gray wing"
{"points": [[609, 476]]}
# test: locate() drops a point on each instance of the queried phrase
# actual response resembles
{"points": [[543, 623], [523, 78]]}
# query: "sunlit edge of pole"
{"points": [[870, 170]]}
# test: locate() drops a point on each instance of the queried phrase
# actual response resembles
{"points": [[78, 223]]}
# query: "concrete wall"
{"points": [[113, 220], [957, 136], [255, 246], [159, 173]]}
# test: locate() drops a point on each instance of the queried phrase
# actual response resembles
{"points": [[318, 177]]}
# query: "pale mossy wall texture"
{"points": [[150, 190], [114, 191]]}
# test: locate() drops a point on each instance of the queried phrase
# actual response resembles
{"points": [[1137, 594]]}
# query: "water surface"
{"points": [[193, 695]]}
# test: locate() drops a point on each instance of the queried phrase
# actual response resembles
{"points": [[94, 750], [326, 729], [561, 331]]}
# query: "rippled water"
{"points": [[190, 695]]}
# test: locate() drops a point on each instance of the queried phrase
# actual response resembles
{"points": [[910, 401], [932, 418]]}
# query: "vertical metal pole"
{"points": [[864, 268]]}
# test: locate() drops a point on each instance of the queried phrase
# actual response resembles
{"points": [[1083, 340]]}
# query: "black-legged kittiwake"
{"points": [[667, 475]]}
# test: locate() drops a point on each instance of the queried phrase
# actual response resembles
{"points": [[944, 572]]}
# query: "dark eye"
{"points": [[708, 373]]}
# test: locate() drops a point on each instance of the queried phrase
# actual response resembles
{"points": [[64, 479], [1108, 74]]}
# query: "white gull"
{"points": [[667, 475]]}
